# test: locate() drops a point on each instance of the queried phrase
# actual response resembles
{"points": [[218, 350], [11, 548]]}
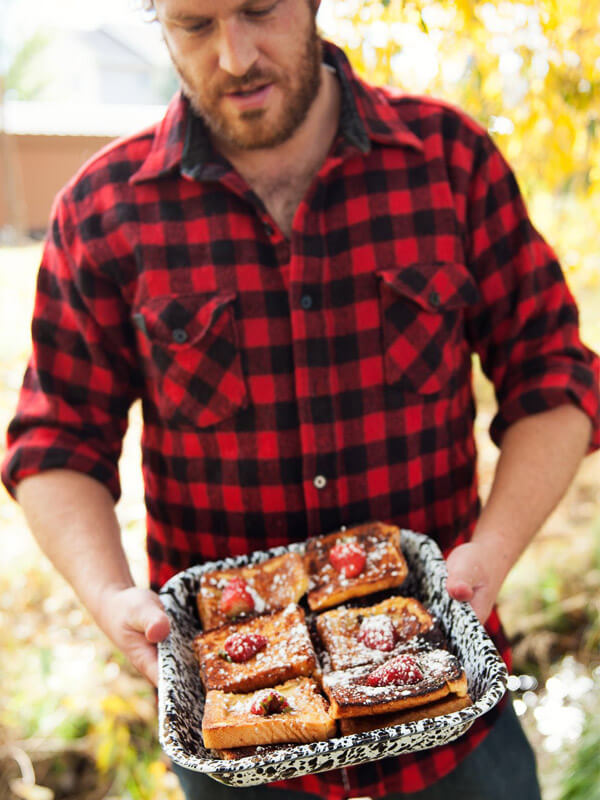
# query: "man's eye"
{"points": [[256, 13], [198, 27]]}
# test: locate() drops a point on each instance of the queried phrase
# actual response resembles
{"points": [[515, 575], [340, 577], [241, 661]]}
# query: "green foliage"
{"points": [[583, 779]]}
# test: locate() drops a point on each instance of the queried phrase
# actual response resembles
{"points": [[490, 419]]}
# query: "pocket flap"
{"points": [[434, 287], [181, 319]]}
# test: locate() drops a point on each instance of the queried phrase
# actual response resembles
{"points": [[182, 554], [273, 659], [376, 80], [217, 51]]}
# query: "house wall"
{"points": [[41, 166]]}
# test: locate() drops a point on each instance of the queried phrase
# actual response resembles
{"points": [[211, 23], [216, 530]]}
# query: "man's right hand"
{"points": [[135, 621]]}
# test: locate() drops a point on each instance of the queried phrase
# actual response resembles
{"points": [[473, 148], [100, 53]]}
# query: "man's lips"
{"points": [[249, 90], [250, 98]]}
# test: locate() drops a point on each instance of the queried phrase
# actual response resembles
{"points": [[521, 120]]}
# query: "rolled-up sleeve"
{"points": [[82, 375], [526, 328]]}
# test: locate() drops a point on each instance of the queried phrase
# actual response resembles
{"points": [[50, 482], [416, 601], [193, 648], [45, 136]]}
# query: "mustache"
{"points": [[251, 80]]}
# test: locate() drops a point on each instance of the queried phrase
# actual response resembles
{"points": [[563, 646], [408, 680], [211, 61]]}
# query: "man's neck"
{"points": [[306, 149]]}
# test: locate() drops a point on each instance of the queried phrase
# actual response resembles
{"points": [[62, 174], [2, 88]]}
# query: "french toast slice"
{"points": [[438, 708], [384, 564], [272, 585], [351, 695], [355, 636], [229, 721], [287, 652]]}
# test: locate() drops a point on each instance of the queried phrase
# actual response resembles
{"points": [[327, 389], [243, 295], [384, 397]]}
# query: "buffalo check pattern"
{"points": [[293, 386]]}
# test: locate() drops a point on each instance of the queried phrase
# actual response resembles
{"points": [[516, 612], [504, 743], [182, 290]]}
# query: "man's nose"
{"points": [[237, 52]]}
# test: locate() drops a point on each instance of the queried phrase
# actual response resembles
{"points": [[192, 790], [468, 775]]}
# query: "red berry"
{"points": [[236, 599], [241, 647], [378, 633], [402, 670], [348, 558], [269, 702]]}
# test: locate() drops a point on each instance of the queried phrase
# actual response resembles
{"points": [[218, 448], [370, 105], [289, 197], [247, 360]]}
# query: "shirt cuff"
{"points": [[43, 449], [534, 399]]}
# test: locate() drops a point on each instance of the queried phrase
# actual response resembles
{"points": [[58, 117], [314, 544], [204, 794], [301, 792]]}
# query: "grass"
{"points": [[66, 687]]}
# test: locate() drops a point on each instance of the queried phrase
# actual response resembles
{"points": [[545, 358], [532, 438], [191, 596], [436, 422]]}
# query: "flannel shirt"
{"points": [[290, 387]]}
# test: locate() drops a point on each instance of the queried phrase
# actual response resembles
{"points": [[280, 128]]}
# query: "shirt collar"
{"points": [[367, 115]]}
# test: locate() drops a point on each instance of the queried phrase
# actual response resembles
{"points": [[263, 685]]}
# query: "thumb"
{"points": [[149, 616], [465, 573]]}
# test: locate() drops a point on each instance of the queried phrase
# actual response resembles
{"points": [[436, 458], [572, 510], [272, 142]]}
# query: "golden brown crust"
{"points": [[228, 721], [288, 654], [339, 631], [351, 696], [273, 585], [385, 567], [436, 709]]}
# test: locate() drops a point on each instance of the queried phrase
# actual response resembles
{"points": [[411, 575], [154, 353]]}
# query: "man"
{"points": [[292, 270]]}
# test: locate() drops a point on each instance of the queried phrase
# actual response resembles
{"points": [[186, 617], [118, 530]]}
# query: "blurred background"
{"points": [[73, 76]]}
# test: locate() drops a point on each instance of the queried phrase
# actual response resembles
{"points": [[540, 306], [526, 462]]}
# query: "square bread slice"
{"points": [[342, 632], [229, 722], [351, 696], [384, 568], [288, 653], [437, 709], [274, 584]]}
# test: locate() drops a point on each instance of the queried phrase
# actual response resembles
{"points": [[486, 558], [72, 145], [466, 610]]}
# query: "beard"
{"points": [[260, 128]]}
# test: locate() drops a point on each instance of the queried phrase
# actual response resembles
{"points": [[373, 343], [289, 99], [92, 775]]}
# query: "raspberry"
{"points": [[269, 702], [348, 558], [236, 599], [402, 670], [242, 647], [378, 633]]}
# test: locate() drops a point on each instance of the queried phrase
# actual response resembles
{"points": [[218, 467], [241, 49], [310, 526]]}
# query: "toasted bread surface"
{"points": [[447, 705], [385, 565], [274, 584], [339, 631], [228, 721], [288, 653], [351, 696]]}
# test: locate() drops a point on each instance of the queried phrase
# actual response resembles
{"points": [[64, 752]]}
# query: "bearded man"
{"points": [[292, 271]]}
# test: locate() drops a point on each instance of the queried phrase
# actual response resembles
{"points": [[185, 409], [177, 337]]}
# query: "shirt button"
{"points": [[269, 230], [306, 302], [179, 335], [320, 482], [434, 299]]}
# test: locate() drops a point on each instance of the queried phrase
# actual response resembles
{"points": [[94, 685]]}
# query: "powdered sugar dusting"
{"points": [[288, 652], [349, 687]]}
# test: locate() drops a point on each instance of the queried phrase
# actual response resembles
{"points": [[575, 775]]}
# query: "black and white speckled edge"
{"points": [[181, 699]]}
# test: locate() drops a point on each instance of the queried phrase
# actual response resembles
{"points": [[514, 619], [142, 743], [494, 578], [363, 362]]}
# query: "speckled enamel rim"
{"points": [[181, 699]]}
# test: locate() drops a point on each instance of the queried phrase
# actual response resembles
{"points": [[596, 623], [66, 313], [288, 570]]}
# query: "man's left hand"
{"points": [[472, 578]]}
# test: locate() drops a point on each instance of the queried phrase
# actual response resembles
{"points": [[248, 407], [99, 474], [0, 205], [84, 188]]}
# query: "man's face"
{"points": [[250, 68]]}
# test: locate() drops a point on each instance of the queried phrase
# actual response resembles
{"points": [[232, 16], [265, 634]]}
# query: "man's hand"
{"points": [[538, 459], [135, 621], [473, 579]]}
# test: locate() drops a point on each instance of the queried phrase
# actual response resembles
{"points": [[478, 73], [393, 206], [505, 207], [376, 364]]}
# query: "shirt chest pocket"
{"points": [[190, 349], [422, 309]]}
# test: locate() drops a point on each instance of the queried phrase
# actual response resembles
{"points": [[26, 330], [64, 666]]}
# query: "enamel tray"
{"points": [[181, 698]]}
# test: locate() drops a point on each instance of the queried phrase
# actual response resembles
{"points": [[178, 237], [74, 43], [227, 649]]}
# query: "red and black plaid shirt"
{"points": [[293, 386]]}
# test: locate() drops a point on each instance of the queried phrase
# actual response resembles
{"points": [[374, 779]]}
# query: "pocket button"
{"points": [[434, 299], [179, 336]]}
